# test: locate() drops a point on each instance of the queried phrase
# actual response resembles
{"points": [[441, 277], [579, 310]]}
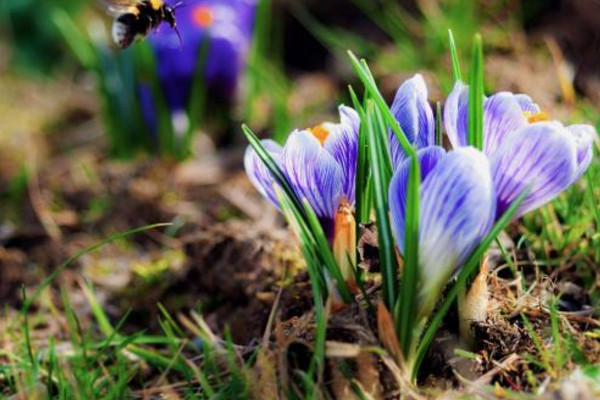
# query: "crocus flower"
{"points": [[320, 165], [457, 209], [524, 147], [225, 26], [414, 115]]}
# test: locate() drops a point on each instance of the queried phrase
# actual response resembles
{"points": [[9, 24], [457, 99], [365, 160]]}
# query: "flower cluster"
{"points": [[463, 190]]}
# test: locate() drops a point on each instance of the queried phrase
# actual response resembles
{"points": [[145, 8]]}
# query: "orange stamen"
{"points": [[536, 117], [203, 16], [320, 132]]}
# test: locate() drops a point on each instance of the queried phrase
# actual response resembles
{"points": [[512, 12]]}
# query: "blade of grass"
{"points": [[439, 136], [147, 69], [381, 174], [364, 74], [454, 56], [317, 280], [198, 95], [410, 276], [467, 270], [476, 95], [117, 236]]}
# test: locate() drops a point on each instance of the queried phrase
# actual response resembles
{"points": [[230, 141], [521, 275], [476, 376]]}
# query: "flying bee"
{"points": [[135, 19]]}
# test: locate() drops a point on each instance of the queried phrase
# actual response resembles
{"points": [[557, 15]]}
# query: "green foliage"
{"points": [[476, 96], [266, 76], [406, 318], [35, 42]]}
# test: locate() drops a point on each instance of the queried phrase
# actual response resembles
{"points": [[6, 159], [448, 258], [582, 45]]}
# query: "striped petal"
{"points": [[541, 156], [584, 140], [456, 110], [258, 172], [457, 211], [342, 144], [502, 115], [415, 116], [428, 159], [313, 173], [526, 104]]}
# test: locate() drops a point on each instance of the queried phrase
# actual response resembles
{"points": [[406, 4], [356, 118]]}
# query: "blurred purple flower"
{"points": [[457, 209], [319, 163], [525, 149], [225, 26]]}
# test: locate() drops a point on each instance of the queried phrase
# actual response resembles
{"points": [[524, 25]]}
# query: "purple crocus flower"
{"points": [[414, 115], [225, 26], [525, 148], [320, 164], [457, 209]]}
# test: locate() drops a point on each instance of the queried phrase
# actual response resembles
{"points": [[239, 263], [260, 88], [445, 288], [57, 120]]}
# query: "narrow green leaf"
{"points": [[317, 280], [476, 95], [78, 42], [454, 55], [198, 95], [364, 74], [410, 277], [467, 270], [147, 70], [30, 300], [439, 137], [381, 174]]}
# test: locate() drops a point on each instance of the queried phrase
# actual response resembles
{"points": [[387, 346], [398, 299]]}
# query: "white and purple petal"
{"points": [[313, 173], [258, 172], [584, 140], [415, 116], [342, 144], [456, 115], [540, 156], [526, 104], [349, 117], [428, 159], [457, 210], [502, 116]]}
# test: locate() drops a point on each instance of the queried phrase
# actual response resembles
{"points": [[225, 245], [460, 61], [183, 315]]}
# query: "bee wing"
{"points": [[116, 7]]}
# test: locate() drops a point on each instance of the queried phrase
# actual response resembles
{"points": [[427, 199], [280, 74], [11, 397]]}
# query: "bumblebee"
{"points": [[135, 19]]}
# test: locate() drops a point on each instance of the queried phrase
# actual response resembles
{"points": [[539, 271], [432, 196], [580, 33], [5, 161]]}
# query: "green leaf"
{"points": [[476, 95], [439, 137], [198, 95], [363, 194], [147, 69], [469, 267], [30, 300], [364, 74], [454, 55], [405, 320], [381, 173], [78, 42]]}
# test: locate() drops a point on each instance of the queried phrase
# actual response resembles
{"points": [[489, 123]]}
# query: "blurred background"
{"points": [[94, 140]]}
